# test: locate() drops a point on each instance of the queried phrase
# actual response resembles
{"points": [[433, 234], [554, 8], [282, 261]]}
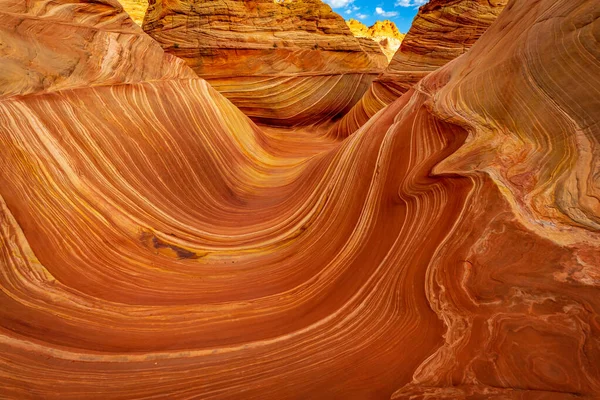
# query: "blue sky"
{"points": [[401, 12]]}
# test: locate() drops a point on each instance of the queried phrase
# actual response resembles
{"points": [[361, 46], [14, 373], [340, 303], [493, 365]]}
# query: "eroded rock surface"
{"points": [[384, 33], [282, 63], [441, 31], [49, 46], [156, 243]]}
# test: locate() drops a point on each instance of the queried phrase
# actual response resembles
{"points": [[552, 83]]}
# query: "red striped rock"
{"points": [[57, 45], [283, 63], [441, 31], [156, 243]]}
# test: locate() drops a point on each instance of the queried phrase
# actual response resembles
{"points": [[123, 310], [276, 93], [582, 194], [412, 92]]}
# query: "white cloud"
{"points": [[410, 3], [339, 3], [349, 8], [383, 13], [361, 16]]}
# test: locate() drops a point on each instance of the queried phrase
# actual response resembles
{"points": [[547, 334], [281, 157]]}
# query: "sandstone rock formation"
{"points": [[282, 63], [385, 28], [136, 9], [156, 243], [385, 33], [357, 28], [375, 51], [441, 31], [56, 46]]}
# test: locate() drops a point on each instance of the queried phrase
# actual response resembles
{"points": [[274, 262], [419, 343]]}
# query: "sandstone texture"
{"points": [[282, 63], [357, 28], [48, 46], [136, 9], [441, 31], [384, 33], [155, 242]]}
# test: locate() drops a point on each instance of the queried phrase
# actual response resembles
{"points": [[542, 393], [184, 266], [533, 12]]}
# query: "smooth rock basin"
{"points": [[161, 237]]}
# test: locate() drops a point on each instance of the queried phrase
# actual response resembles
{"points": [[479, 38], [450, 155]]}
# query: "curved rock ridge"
{"points": [[384, 33], [374, 50], [282, 63], [525, 322], [48, 46], [156, 243], [441, 31]]}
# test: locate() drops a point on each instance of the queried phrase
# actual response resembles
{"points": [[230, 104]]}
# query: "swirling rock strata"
{"points": [[518, 279], [48, 46], [282, 63], [155, 242], [441, 31]]}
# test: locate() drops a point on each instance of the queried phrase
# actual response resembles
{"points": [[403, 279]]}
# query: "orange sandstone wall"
{"points": [[282, 63], [156, 243], [441, 31], [64, 44]]}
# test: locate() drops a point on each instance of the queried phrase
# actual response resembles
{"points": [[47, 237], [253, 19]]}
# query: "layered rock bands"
{"points": [[156, 243], [441, 31], [287, 63]]}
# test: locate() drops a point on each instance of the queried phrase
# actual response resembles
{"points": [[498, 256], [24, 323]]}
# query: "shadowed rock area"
{"points": [[155, 242]]}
